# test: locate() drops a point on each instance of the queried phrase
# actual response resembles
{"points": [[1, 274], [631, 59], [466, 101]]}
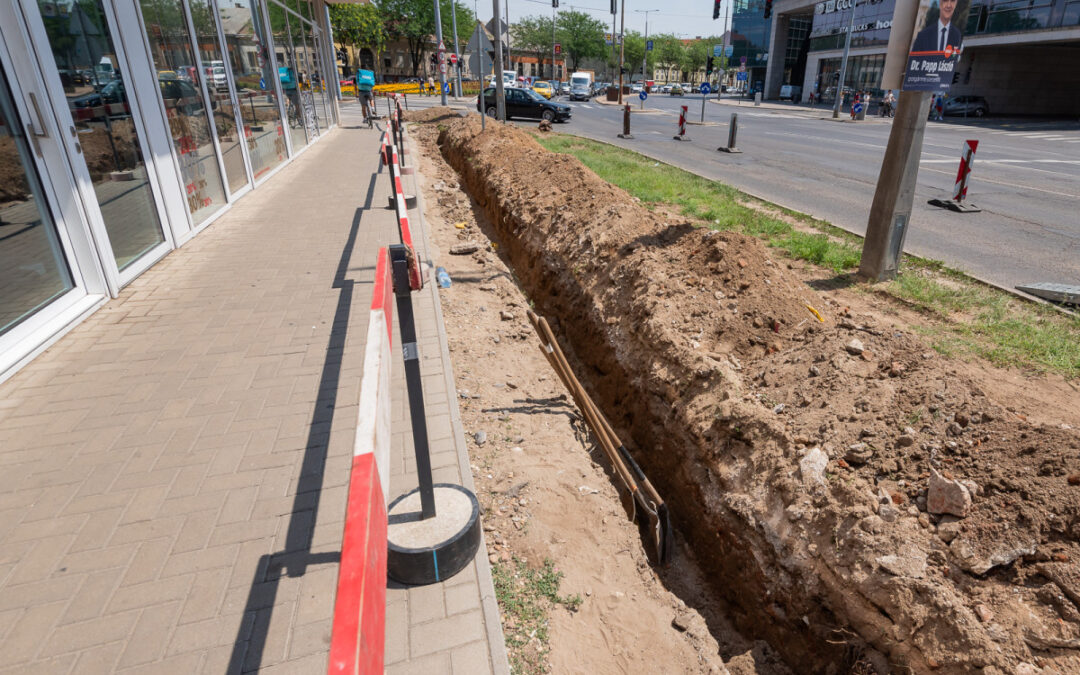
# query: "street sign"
{"points": [[717, 50], [742, 60], [705, 88], [648, 45], [741, 76], [558, 48], [262, 83], [442, 47], [729, 51], [453, 59], [643, 95], [858, 108]]}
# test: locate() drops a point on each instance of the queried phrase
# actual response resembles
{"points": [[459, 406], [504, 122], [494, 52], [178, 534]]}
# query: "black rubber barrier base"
{"points": [[731, 150], [952, 205], [428, 551]]}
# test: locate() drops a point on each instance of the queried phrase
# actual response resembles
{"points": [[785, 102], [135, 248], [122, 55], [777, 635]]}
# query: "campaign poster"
{"points": [[936, 46]]}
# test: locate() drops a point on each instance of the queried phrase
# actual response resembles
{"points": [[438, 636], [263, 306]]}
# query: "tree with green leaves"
{"points": [[582, 37], [414, 22], [669, 51], [633, 52], [697, 52], [359, 26], [533, 34]]}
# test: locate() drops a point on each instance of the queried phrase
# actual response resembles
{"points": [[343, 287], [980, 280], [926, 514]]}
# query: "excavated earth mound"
{"points": [[859, 501]]}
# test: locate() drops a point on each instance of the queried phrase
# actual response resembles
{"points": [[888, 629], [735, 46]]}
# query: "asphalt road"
{"points": [[1026, 176]]}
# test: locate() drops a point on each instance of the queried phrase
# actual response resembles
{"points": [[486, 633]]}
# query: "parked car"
{"points": [[524, 103], [564, 88], [544, 89], [636, 88], [581, 92], [665, 88], [675, 90], [976, 106]]}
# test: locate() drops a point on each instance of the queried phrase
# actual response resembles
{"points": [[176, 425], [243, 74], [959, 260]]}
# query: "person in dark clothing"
{"points": [[940, 34]]}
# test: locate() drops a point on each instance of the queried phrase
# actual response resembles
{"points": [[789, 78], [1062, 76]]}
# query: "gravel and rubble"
{"points": [[856, 501]]}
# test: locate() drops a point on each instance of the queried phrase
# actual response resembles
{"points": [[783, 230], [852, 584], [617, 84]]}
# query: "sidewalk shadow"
{"points": [[296, 557]]}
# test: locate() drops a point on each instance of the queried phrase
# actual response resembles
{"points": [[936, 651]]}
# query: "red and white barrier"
{"points": [[682, 125], [416, 280], [967, 158], [357, 638]]}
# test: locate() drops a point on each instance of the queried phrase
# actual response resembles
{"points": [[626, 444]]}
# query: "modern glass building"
{"points": [[1021, 55], [127, 127], [750, 40]]}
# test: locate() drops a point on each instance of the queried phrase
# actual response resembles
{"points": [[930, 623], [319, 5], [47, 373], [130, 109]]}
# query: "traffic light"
{"points": [[709, 66], [716, 9], [768, 8], [555, 3]]}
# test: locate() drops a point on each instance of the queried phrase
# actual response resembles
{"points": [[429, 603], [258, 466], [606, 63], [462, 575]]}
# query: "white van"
{"points": [[791, 91]]}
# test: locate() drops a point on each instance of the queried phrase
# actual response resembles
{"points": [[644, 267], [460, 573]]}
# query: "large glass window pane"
{"points": [[224, 112], [170, 47], [254, 72], [290, 72], [93, 80], [318, 82], [33, 271]]}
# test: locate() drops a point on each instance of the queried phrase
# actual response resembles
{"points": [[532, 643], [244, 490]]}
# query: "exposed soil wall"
{"points": [[797, 455]]}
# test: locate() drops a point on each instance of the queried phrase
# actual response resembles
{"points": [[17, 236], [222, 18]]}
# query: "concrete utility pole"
{"points": [[457, 52], [645, 58], [442, 55], [724, 56], [890, 213], [500, 102], [554, 9], [509, 56], [843, 64], [622, 44]]}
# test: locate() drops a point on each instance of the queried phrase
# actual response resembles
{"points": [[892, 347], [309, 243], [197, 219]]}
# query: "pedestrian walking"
{"points": [[431, 85]]}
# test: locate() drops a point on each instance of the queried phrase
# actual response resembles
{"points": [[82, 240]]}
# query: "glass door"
{"points": [[91, 85], [48, 275]]}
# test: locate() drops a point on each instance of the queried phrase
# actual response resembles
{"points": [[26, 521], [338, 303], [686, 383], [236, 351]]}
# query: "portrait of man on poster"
{"points": [[941, 33]]}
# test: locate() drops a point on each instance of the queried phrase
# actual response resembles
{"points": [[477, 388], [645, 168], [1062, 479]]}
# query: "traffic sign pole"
{"points": [[442, 53], [704, 93]]}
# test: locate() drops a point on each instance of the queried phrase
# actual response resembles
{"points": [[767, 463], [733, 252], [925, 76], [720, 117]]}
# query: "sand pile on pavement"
{"points": [[859, 500]]}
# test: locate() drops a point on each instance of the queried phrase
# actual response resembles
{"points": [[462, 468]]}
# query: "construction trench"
{"points": [[858, 501]]}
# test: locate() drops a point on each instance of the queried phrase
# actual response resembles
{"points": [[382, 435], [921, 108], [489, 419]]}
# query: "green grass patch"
{"points": [[966, 317], [719, 206], [525, 597]]}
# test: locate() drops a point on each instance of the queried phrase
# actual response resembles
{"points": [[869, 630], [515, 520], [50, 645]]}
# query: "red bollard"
{"points": [[681, 136]]}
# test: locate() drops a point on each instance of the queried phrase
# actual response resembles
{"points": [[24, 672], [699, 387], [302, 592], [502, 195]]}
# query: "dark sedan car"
{"points": [[524, 103]]}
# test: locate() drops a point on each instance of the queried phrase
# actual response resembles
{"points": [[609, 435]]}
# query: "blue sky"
{"points": [[683, 18]]}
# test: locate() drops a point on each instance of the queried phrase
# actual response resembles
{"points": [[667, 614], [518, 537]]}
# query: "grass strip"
{"points": [[966, 317], [525, 596]]}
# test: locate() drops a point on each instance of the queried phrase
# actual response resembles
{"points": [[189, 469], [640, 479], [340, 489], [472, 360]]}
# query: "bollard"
{"points": [[967, 158], [681, 136], [733, 130], [626, 123]]}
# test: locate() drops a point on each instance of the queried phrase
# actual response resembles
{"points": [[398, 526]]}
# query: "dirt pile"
{"points": [[861, 502]]}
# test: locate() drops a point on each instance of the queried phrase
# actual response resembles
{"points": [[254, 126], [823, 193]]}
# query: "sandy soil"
{"points": [[807, 461]]}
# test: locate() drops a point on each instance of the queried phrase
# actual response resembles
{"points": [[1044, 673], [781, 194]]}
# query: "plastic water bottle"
{"points": [[443, 277]]}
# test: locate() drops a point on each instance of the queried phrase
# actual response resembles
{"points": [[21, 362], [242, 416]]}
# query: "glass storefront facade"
{"points": [[750, 36], [873, 20], [114, 152]]}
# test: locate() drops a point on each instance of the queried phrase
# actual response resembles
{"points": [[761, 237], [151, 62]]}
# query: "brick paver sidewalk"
{"points": [[173, 472]]}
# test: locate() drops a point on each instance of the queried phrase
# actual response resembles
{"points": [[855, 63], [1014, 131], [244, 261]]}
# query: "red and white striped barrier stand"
{"points": [[358, 634], [681, 136], [967, 158], [401, 203]]}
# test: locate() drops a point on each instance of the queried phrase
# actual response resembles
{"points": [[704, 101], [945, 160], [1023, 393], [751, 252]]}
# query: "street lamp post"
{"points": [[645, 57], [457, 52], [442, 61], [843, 64], [622, 45]]}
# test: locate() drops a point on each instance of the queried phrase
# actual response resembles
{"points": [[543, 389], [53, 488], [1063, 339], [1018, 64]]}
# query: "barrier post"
{"points": [[681, 136], [733, 130], [967, 158], [626, 123]]}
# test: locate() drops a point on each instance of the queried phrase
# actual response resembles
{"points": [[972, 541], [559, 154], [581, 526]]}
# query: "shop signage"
{"points": [[830, 6]]}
